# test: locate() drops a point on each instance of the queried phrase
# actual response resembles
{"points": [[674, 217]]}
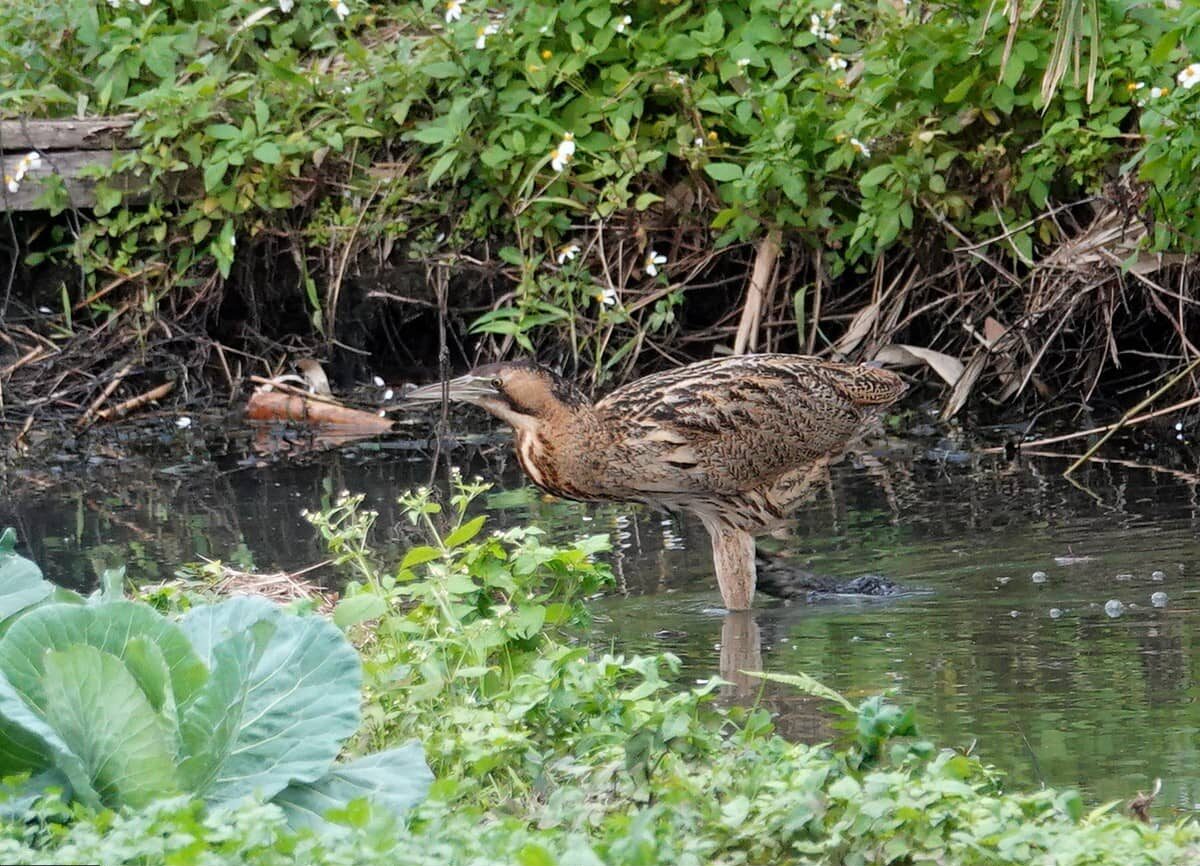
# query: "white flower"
{"points": [[453, 10], [743, 62], [561, 155], [340, 7], [836, 62], [606, 297], [116, 4], [1156, 92], [676, 78], [389, 394], [698, 141], [183, 422], [567, 253], [483, 33], [619, 24], [1189, 77], [144, 2], [12, 184], [285, 6], [860, 147], [377, 382], [653, 260]]}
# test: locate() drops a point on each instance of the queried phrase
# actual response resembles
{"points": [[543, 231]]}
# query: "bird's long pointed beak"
{"points": [[464, 389]]}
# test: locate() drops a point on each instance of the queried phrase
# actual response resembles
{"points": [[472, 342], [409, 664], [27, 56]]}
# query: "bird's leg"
{"points": [[733, 559]]}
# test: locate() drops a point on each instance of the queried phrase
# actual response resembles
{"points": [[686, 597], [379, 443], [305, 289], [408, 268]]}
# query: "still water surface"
{"points": [[1036, 673]]}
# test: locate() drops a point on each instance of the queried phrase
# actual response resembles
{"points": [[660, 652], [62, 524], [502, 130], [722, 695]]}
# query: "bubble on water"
{"points": [[1158, 575], [1014, 613], [1055, 613], [1038, 577], [1003, 580], [1114, 608], [1124, 576], [1159, 599]]}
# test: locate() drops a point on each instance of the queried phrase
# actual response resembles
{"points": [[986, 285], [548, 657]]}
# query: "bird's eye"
{"points": [[498, 384]]}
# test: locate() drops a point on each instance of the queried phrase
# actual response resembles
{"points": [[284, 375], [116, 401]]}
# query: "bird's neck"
{"points": [[549, 446]]}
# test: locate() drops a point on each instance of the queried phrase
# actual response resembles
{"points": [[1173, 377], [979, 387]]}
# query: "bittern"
{"points": [[736, 441]]}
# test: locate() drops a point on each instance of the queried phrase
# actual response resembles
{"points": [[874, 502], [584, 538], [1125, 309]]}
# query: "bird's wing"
{"points": [[733, 424]]}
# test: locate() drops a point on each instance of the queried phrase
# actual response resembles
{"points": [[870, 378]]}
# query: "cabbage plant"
{"points": [[117, 705]]}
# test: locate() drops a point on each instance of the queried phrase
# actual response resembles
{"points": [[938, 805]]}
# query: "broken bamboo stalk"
{"points": [[104, 395], [124, 408]]}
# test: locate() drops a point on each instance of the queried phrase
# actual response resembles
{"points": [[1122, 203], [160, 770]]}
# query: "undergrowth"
{"points": [[548, 752], [936, 175]]}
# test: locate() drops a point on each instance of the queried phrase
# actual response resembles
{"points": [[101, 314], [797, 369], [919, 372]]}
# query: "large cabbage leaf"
{"points": [[282, 697], [21, 582], [98, 709], [112, 628], [396, 780]]}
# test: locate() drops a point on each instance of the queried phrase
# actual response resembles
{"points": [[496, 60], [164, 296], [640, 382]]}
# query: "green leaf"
{"points": [[101, 713], [223, 131], [419, 555], [723, 171], [214, 173], [809, 686], [465, 532], [208, 730], [294, 683], [959, 92], [876, 176], [396, 780], [358, 608], [148, 666], [445, 161], [109, 627], [27, 742], [21, 582], [268, 152]]}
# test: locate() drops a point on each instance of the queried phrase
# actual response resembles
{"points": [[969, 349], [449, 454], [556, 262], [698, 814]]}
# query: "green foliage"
{"points": [[120, 706], [549, 753], [854, 127]]}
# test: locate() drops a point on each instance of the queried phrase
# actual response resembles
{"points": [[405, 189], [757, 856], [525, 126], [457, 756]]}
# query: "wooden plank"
{"points": [[101, 133], [67, 165]]}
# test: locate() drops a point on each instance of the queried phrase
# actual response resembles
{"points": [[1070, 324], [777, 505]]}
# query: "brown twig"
{"points": [[1066, 437]]}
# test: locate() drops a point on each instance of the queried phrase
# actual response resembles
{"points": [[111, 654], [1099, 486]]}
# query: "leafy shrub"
{"points": [[119, 706], [670, 128]]}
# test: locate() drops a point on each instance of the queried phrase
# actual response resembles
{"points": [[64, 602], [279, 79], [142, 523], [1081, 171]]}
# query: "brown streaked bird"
{"points": [[736, 441]]}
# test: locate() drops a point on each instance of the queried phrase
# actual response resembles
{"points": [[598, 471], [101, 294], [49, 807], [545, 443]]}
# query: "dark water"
{"points": [[1081, 698]]}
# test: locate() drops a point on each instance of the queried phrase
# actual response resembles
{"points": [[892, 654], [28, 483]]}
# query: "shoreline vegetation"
{"points": [[999, 201], [542, 751]]}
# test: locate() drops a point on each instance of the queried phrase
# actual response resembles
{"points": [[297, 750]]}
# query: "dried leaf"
{"points": [[949, 368], [860, 326], [965, 384]]}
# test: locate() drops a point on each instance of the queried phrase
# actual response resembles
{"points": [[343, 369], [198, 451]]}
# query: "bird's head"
{"points": [[519, 392]]}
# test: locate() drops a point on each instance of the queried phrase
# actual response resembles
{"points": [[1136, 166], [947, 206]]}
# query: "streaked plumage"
{"points": [[737, 441]]}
